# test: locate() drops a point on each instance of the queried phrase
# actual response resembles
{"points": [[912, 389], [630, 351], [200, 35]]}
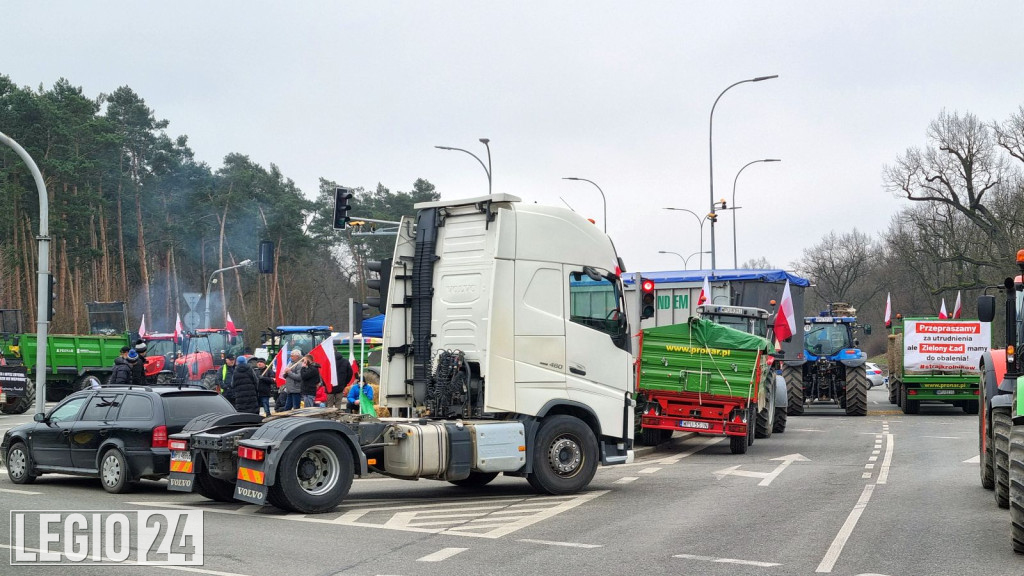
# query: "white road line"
{"points": [[804, 430], [626, 480], [569, 544], [883, 473], [875, 452], [869, 466], [974, 460], [943, 437], [649, 470], [829, 561], [675, 458], [194, 570], [872, 458], [442, 554], [26, 492], [866, 475], [726, 560]]}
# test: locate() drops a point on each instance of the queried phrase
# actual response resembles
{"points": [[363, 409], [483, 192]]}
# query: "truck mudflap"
{"points": [[183, 462], [251, 484]]}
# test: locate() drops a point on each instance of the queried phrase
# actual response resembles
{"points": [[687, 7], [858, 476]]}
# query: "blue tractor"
{"points": [[833, 370]]}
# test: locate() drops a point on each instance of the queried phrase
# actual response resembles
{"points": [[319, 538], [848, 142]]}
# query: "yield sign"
{"points": [[191, 298], [766, 477]]}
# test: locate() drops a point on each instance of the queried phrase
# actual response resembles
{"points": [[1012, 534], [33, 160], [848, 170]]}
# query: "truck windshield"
{"points": [[216, 342], [827, 339]]}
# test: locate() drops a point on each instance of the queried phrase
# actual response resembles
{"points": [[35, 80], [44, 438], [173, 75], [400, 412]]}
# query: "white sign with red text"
{"points": [[944, 345]]}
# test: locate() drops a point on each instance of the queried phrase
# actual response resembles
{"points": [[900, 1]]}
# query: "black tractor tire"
{"points": [[315, 474], [565, 458], [20, 468], [909, 406], [765, 422], [22, 404], [87, 381], [738, 444], [781, 416], [210, 381], [164, 379], [1001, 425], [794, 389], [856, 391], [970, 406], [1017, 488], [894, 392], [214, 488], [475, 480], [751, 424], [988, 474], [654, 436]]}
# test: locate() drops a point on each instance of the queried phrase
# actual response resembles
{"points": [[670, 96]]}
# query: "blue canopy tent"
{"points": [[374, 327]]}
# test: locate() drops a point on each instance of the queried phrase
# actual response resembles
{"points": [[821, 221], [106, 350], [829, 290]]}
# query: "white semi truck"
{"points": [[506, 350]]}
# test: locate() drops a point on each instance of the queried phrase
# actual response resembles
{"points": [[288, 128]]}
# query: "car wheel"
{"points": [[19, 464], [114, 474]]}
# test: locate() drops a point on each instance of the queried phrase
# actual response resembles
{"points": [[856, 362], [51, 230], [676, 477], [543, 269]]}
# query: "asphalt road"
{"points": [[884, 494]]}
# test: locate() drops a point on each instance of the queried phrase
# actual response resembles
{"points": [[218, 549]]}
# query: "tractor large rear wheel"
{"points": [[1017, 488], [765, 423], [1001, 425], [795, 389], [856, 391], [22, 404], [894, 392]]}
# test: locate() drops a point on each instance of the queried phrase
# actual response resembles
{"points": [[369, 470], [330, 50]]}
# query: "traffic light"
{"points": [[341, 207], [358, 308], [713, 216], [51, 297], [647, 298], [266, 257], [380, 284]]}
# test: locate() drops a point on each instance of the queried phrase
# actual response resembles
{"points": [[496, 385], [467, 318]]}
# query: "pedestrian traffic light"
{"points": [[647, 298], [341, 207], [380, 284], [51, 297]]}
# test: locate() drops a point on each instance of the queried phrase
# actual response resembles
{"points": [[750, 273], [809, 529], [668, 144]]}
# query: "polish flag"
{"points": [[785, 321], [178, 331], [324, 356], [142, 327], [942, 311], [281, 364], [705, 292], [888, 311], [956, 308], [229, 325]]}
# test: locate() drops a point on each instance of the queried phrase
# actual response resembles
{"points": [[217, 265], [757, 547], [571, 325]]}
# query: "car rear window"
{"points": [[181, 407]]}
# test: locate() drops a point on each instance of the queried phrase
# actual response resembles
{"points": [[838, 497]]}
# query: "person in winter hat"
{"points": [[243, 383], [293, 380], [266, 385], [139, 368], [122, 373]]}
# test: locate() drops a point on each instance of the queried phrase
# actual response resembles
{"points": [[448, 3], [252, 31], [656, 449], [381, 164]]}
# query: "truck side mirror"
{"points": [[986, 307]]}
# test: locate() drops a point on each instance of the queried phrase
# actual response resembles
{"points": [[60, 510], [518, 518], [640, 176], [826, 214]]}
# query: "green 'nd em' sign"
{"points": [[674, 302]]}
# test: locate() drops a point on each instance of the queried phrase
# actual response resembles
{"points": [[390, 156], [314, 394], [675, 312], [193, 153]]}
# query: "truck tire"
{"points": [[19, 464], [909, 406], [781, 416], [315, 474], [795, 390], [970, 406], [214, 488], [22, 404], [856, 391], [654, 436], [564, 456], [765, 421], [475, 480], [894, 392], [988, 481], [1001, 425], [1017, 488], [738, 444]]}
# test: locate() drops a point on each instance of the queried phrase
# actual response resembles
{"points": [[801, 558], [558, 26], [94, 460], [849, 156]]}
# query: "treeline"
{"points": [[135, 216], [959, 232]]}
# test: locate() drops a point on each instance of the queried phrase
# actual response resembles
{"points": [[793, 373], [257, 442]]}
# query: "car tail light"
{"points": [[159, 437], [912, 392], [250, 453], [180, 445]]}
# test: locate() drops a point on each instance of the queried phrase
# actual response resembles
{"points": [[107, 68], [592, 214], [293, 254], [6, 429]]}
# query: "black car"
{"points": [[118, 434]]}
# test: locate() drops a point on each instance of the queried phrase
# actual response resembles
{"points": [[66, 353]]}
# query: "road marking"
{"points": [[829, 561], [766, 477], [569, 544], [883, 473], [649, 470], [442, 554], [875, 452], [626, 480], [873, 458], [194, 570], [726, 560], [866, 475], [943, 437], [804, 430], [26, 492], [674, 459], [869, 466], [974, 460]]}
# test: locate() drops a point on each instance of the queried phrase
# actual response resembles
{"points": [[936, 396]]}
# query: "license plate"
{"points": [[181, 455], [698, 425], [945, 391]]}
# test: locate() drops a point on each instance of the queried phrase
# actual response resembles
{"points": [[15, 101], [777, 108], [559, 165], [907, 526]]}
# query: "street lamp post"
{"points": [[711, 162], [487, 167], [209, 287], [686, 260], [700, 221], [735, 261], [603, 199]]}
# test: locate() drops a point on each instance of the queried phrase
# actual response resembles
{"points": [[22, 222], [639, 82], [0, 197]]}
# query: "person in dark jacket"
{"points": [[310, 378], [122, 373], [139, 368], [343, 376], [227, 373], [266, 385], [243, 383]]}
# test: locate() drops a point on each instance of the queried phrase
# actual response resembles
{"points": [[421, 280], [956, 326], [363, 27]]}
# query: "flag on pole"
{"points": [[281, 364], [888, 310], [785, 321], [229, 325], [943, 315], [956, 308], [705, 292], [142, 327], [324, 356], [178, 331]]}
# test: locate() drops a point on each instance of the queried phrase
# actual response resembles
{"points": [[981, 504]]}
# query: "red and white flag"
{"points": [[956, 308], [785, 321], [888, 310], [229, 325], [943, 315], [142, 327], [178, 331], [281, 364], [705, 292], [324, 356]]}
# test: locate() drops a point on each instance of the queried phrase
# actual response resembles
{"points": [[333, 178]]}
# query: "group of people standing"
{"points": [[130, 366]]}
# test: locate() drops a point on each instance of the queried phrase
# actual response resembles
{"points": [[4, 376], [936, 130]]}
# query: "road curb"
{"points": [[677, 438]]}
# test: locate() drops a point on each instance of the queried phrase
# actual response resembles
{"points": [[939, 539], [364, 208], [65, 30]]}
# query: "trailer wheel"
{"points": [[909, 406], [856, 391], [475, 480], [781, 416], [765, 424], [22, 404], [795, 390], [315, 473], [1017, 488], [988, 481], [738, 444], [19, 464], [654, 436], [1001, 425], [214, 488], [894, 392], [565, 456], [751, 424]]}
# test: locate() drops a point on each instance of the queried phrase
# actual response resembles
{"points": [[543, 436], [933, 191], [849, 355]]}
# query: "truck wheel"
{"points": [[564, 457], [19, 464], [894, 392], [315, 473], [214, 488], [114, 474], [795, 390], [970, 406], [909, 406], [475, 480], [738, 444], [1001, 425], [654, 436], [1017, 488], [985, 454], [856, 391], [22, 404], [765, 424], [780, 420]]}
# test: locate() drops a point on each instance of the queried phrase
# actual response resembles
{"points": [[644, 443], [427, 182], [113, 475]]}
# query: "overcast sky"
{"points": [[615, 92]]}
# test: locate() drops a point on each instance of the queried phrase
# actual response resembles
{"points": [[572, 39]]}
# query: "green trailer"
{"points": [[703, 377], [936, 360]]}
